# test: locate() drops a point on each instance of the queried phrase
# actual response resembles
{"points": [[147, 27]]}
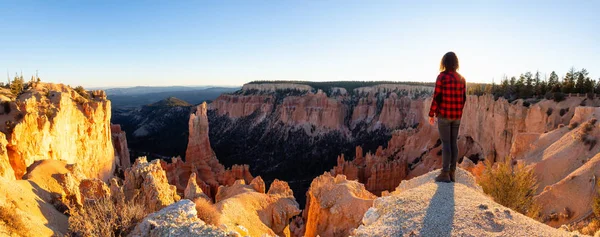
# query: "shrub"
{"points": [[562, 112], [559, 96], [82, 92], [105, 218], [17, 86], [207, 211], [11, 220], [510, 185]]}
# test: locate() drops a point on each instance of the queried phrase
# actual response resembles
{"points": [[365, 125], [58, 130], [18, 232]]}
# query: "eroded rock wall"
{"points": [[53, 121]]}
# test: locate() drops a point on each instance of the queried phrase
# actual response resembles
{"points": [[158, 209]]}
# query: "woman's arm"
{"points": [[437, 97]]}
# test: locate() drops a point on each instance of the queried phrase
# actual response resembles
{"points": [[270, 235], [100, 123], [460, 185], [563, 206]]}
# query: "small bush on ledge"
{"points": [[512, 186]]}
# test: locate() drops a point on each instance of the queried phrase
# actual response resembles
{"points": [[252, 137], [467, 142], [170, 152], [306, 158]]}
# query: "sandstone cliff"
{"points": [[566, 164], [489, 129], [289, 126], [421, 207], [53, 121]]}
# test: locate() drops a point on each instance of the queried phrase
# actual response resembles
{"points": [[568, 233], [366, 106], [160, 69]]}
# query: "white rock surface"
{"points": [[177, 219], [421, 207]]}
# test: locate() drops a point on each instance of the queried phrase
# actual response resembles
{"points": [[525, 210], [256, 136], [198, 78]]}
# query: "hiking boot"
{"points": [[444, 177], [452, 174]]}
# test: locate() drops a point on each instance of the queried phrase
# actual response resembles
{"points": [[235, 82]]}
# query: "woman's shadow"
{"points": [[440, 213]]}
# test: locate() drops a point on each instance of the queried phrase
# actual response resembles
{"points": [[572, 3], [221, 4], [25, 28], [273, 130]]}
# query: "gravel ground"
{"points": [[421, 207]]}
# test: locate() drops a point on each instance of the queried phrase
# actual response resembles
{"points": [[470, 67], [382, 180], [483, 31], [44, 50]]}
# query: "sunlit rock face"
{"points": [[248, 210], [53, 121], [566, 163], [490, 129], [146, 182], [177, 219], [201, 160], [335, 206]]}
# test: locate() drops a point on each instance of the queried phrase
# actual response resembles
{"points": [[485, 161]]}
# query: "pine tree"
{"points": [[569, 81], [528, 92], [17, 85], [553, 84], [537, 91]]}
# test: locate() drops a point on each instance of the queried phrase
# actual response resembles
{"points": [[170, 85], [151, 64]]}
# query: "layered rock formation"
{"points": [[201, 160], [119, 140], [489, 129], [296, 125], [177, 219], [246, 209], [566, 164], [53, 121], [334, 206], [421, 207], [146, 182]]}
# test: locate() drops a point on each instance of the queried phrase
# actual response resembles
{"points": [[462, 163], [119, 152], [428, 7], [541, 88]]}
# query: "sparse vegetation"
{"points": [[105, 218], [348, 85], [591, 228], [11, 220], [584, 136], [510, 185], [207, 212], [596, 202], [82, 92], [17, 85]]}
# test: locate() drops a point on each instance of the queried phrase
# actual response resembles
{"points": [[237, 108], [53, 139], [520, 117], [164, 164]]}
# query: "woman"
{"points": [[447, 105]]}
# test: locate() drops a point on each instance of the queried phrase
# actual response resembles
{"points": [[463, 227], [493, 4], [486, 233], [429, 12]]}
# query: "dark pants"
{"points": [[449, 134]]}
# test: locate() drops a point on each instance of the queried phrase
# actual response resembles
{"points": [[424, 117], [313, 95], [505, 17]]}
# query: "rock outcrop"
{"points": [[250, 212], [335, 206], [177, 219], [53, 121], [201, 160], [33, 201], [193, 191], [119, 140], [146, 182], [6, 170], [421, 207], [566, 164]]}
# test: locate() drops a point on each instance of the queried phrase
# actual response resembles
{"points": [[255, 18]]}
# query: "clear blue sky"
{"points": [[127, 43]]}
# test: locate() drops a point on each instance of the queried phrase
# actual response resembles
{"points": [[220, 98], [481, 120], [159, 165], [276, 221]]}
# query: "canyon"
{"points": [[349, 156]]}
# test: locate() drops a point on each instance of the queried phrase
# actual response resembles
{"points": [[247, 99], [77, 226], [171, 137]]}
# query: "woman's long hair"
{"points": [[449, 62]]}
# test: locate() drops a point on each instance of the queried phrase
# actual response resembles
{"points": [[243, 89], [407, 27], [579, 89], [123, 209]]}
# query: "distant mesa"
{"points": [[170, 102]]}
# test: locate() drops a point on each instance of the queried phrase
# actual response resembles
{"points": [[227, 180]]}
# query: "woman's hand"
{"points": [[431, 120]]}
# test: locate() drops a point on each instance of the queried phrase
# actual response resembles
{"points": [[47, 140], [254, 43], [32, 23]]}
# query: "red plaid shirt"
{"points": [[449, 96]]}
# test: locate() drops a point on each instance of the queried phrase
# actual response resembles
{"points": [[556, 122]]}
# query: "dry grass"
{"points": [[11, 220], [596, 201], [591, 228], [207, 211], [511, 185], [105, 218]]}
